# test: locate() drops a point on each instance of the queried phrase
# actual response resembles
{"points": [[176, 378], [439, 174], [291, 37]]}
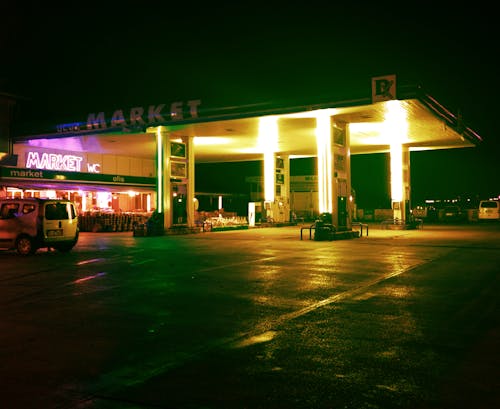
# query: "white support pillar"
{"points": [[334, 170], [190, 208], [341, 191], [269, 177], [281, 208], [400, 181], [268, 142], [395, 129], [396, 155], [163, 201], [325, 167], [285, 193], [406, 202], [350, 203]]}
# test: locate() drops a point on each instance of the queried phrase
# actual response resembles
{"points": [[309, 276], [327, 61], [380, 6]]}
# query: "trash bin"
{"points": [[326, 218], [322, 232], [323, 227], [154, 224]]}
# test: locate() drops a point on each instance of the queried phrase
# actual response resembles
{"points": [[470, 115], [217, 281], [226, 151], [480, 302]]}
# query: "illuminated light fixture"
{"points": [[375, 133], [103, 199], [220, 202], [210, 140], [84, 202], [159, 169], [59, 177], [131, 193], [396, 129], [313, 113], [396, 172], [268, 144], [368, 133], [324, 148]]}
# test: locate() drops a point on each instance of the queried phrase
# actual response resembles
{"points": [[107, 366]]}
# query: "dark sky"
{"points": [[74, 60]]}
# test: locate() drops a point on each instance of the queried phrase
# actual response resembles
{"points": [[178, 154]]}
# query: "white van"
{"points": [[489, 210], [29, 224]]}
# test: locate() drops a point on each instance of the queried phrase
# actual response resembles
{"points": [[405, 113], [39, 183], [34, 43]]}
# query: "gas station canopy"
{"points": [[232, 134]]}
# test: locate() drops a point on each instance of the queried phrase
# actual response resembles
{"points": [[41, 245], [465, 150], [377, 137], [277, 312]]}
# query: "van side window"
{"points": [[9, 210], [28, 208]]}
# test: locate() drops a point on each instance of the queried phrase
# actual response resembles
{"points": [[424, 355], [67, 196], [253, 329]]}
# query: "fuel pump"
{"points": [[342, 211], [179, 205]]}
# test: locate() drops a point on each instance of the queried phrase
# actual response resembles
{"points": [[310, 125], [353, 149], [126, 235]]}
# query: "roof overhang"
{"points": [[230, 134]]}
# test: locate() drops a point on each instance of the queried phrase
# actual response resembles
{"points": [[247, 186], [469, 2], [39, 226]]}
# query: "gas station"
{"points": [[153, 149]]}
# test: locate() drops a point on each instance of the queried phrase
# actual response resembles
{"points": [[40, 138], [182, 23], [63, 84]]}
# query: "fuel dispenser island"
{"points": [[175, 181], [341, 183], [277, 211]]}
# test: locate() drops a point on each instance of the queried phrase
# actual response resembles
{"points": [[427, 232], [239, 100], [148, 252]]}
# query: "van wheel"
{"points": [[24, 246]]}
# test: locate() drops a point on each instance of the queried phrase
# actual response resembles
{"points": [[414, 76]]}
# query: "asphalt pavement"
{"points": [[255, 319]]}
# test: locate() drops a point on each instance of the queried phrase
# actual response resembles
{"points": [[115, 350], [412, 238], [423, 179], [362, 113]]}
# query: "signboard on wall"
{"points": [[19, 174], [383, 88], [52, 159], [178, 169], [178, 150], [135, 117]]}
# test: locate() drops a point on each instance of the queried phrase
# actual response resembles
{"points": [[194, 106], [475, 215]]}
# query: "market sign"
{"points": [[57, 161], [135, 117], [7, 173]]}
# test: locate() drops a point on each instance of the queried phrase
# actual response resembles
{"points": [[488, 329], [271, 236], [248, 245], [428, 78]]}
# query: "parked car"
{"points": [[427, 213], [29, 224], [453, 213]]}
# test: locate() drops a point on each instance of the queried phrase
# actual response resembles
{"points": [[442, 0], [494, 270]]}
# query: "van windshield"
{"points": [[490, 204], [56, 211]]}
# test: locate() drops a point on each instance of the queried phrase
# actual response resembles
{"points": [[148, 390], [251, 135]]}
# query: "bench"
{"points": [[361, 226], [310, 228], [326, 227]]}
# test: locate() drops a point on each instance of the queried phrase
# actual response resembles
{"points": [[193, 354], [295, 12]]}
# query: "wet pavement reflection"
{"points": [[255, 319]]}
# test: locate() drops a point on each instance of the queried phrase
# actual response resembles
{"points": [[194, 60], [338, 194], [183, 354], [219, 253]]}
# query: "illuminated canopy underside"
{"points": [[224, 139]]}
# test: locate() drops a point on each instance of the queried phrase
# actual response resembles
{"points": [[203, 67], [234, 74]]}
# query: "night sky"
{"points": [[70, 61]]}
